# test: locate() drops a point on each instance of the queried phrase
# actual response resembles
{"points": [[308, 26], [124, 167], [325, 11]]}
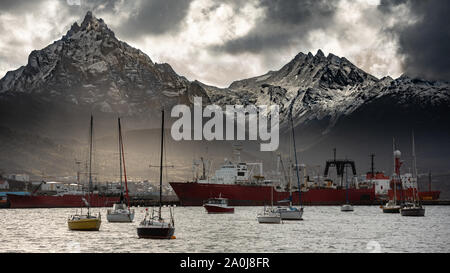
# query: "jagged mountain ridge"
{"points": [[90, 71]]}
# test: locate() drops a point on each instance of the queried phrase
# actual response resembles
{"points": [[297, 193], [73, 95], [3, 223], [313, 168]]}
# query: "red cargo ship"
{"points": [[59, 201], [195, 193], [234, 182]]}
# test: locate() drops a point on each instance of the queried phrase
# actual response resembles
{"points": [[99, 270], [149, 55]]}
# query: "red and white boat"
{"points": [[218, 205]]}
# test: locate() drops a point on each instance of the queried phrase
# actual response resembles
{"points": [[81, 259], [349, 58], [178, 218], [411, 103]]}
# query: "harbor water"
{"points": [[324, 229]]}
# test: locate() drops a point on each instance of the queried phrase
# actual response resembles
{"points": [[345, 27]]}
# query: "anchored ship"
{"points": [[242, 186]]}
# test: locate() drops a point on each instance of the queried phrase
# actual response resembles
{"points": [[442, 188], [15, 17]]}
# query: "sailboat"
{"points": [[293, 213], [392, 206], [155, 227], [269, 215], [86, 222], [347, 207], [121, 212], [415, 208], [289, 212]]}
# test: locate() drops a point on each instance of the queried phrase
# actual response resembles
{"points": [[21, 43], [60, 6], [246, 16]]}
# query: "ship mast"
{"points": [[161, 164], [90, 161], [416, 188], [124, 168], [120, 157], [296, 163]]}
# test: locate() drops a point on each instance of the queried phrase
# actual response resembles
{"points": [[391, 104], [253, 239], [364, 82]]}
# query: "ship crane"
{"points": [[340, 165]]}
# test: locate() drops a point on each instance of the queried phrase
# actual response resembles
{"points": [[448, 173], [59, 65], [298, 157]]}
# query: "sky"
{"points": [[218, 42]]}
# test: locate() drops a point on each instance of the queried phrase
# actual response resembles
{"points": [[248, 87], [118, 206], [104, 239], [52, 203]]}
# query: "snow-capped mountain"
{"points": [[90, 68], [327, 88], [333, 102]]}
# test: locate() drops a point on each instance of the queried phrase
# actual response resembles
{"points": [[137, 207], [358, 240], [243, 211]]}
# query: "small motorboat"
{"points": [[217, 205]]}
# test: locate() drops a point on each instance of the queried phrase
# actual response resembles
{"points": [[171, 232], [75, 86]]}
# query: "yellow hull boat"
{"points": [[84, 223]]}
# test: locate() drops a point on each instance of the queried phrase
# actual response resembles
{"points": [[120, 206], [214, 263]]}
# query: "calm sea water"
{"points": [[324, 229]]}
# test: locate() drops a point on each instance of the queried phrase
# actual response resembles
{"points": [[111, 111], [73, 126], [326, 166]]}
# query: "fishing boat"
{"points": [[218, 205], [86, 222], [156, 227], [121, 212], [415, 207], [347, 207]]}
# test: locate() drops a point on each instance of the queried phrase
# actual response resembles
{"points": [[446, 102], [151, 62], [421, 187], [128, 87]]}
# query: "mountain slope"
{"points": [[90, 70], [332, 101]]}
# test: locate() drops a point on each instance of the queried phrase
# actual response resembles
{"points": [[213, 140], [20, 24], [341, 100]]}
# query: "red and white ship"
{"points": [[238, 183]]}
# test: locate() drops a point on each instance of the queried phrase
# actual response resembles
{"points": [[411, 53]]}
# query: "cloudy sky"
{"points": [[218, 42]]}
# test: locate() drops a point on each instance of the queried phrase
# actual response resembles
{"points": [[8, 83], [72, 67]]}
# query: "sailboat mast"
{"points": [[124, 167], [161, 163], [395, 174], [120, 154], [416, 187], [90, 160], [296, 162]]}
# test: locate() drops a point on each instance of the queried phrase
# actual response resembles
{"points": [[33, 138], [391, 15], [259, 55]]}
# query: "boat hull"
{"points": [[194, 194], [268, 219], [391, 210], [414, 212], [290, 214], [84, 224], [218, 209], [120, 217], [347, 208], [63, 201], [155, 233]]}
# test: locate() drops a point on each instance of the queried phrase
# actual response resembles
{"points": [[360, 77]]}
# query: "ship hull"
{"points": [[155, 233], [85, 224], [413, 212], [217, 209], [194, 194], [63, 201]]}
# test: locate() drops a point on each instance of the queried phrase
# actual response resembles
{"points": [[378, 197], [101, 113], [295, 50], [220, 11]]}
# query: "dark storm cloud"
{"points": [[285, 21], [426, 43], [155, 17]]}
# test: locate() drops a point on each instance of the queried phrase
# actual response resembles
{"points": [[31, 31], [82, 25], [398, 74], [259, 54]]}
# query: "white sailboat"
{"points": [[392, 206], [269, 215], [121, 212], [347, 207], [289, 212]]}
